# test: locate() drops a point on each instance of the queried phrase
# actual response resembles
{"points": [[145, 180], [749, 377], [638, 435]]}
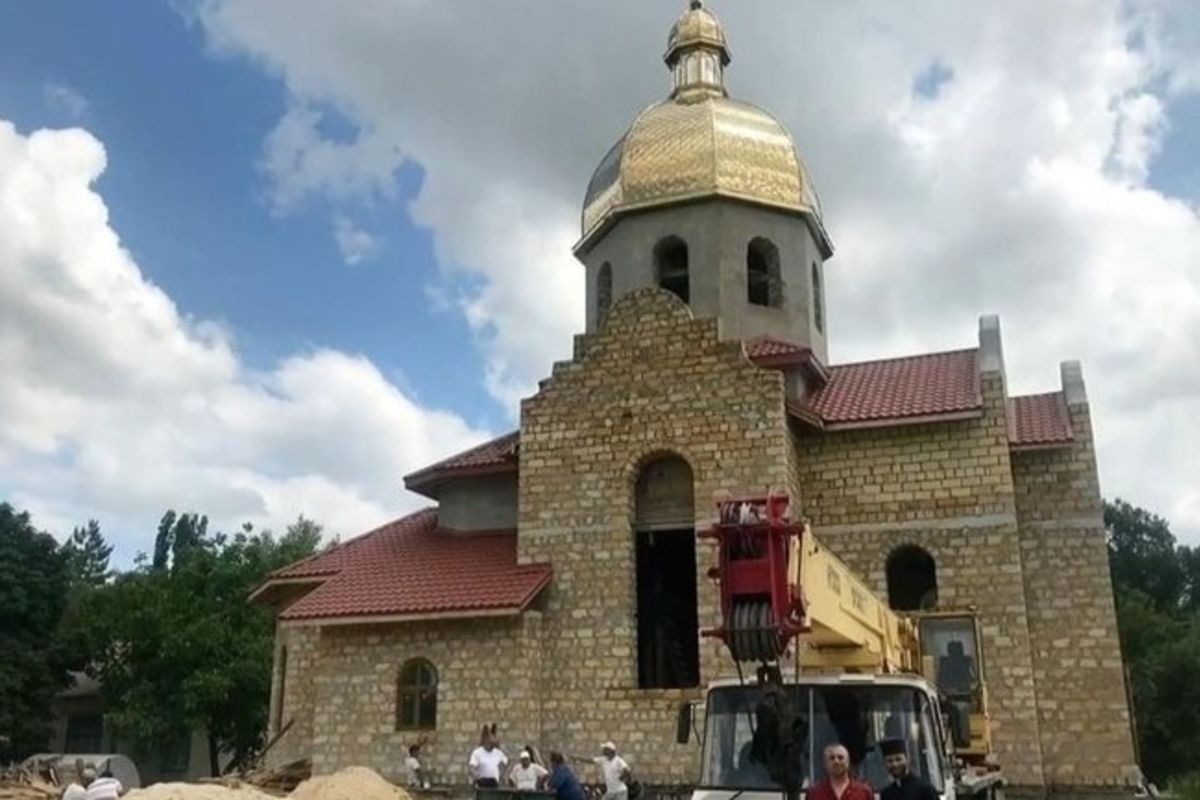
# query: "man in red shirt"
{"points": [[838, 783]]}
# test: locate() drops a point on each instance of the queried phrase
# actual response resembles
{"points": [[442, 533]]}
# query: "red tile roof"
{"points": [[410, 568], [1038, 420], [767, 347], [768, 352], [498, 455], [933, 384]]}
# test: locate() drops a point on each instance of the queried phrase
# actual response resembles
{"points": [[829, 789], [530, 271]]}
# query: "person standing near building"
{"points": [[616, 772], [418, 777], [838, 783], [105, 787], [487, 762], [562, 780], [527, 776], [904, 785], [77, 789]]}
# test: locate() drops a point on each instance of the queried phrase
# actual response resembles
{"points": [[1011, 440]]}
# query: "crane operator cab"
{"points": [[950, 655], [742, 746]]}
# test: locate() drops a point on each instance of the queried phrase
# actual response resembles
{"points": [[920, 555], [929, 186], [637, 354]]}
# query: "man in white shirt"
{"points": [[616, 772], [106, 787], [526, 775], [77, 789], [417, 777], [487, 763]]}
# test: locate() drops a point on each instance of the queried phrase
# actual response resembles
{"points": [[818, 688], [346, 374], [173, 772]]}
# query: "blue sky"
{"points": [[349, 227], [184, 133]]}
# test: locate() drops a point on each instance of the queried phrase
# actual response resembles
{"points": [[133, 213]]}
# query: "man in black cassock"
{"points": [[904, 785]]}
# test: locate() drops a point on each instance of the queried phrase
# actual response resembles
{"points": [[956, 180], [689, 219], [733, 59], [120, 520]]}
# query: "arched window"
{"points": [[763, 284], [668, 644], [911, 579], [818, 299], [671, 266], [416, 696], [603, 291]]}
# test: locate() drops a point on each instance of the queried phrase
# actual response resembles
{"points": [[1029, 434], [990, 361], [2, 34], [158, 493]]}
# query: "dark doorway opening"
{"points": [[668, 644]]}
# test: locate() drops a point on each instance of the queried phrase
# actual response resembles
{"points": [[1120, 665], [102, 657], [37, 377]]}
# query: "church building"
{"points": [[555, 586]]}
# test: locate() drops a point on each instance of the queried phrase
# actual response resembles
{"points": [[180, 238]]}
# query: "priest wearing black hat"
{"points": [[904, 785]]}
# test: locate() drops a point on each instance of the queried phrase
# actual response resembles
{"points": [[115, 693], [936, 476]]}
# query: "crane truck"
{"points": [[821, 659]]}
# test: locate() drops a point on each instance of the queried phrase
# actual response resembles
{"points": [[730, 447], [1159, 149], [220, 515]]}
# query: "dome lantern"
{"points": [[697, 54]]}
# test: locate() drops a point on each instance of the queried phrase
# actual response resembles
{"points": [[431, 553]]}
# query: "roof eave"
{"points": [[1028, 447], [893, 422], [429, 481]]}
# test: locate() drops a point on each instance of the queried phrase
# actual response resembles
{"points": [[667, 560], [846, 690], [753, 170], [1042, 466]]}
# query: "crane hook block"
{"points": [[758, 573]]}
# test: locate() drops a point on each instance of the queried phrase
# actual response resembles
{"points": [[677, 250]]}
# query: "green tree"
{"points": [[33, 589], [177, 646], [1155, 581], [87, 555]]}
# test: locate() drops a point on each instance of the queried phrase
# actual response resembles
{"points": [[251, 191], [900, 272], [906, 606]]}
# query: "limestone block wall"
{"points": [[652, 381], [948, 488], [488, 671], [1082, 703], [295, 676]]}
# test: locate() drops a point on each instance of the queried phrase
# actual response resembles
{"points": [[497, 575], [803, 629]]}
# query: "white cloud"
{"points": [[1019, 188], [64, 99], [355, 244], [115, 405]]}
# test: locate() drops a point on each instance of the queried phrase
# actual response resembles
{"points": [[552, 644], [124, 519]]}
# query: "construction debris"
{"points": [[282, 779], [22, 783], [353, 783]]}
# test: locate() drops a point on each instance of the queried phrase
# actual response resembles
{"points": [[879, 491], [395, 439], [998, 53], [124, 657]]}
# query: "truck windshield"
{"points": [[858, 717]]}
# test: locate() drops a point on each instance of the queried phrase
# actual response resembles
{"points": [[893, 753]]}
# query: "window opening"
{"points": [[416, 696], [911, 579], [671, 266]]}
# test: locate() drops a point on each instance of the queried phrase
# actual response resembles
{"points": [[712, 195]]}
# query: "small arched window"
{"points": [[763, 284], [416, 696], [671, 266], [911, 579], [603, 291], [818, 299]]}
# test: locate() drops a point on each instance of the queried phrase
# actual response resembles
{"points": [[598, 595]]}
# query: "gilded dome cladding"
{"points": [[699, 143]]}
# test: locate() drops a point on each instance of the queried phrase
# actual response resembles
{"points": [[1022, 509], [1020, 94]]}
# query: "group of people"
{"points": [[90, 785], [489, 768], [840, 784]]}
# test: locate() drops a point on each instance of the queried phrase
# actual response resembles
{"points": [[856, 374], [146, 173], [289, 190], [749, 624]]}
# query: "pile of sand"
{"points": [[196, 791], [352, 783]]}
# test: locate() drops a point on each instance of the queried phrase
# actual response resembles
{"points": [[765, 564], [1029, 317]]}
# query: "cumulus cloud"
{"points": [[114, 404]]}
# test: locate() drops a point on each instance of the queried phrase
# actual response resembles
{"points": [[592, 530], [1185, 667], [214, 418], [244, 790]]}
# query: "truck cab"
{"points": [[855, 710]]}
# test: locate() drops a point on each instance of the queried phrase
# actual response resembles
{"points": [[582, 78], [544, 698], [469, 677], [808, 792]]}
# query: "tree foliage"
{"points": [[33, 589], [177, 646], [1157, 586]]}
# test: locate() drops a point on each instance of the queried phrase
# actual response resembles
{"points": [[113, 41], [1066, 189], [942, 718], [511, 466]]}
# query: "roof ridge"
{"points": [[912, 357]]}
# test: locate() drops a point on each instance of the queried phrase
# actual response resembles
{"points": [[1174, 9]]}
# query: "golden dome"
{"points": [[700, 143]]}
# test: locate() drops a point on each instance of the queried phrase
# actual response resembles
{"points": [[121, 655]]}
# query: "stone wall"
{"points": [[297, 696], [1082, 703], [946, 487], [652, 381], [488, 671]]}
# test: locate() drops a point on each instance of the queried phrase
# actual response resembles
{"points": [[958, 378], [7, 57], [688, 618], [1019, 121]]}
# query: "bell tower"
{"points": [[705, 196]]}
